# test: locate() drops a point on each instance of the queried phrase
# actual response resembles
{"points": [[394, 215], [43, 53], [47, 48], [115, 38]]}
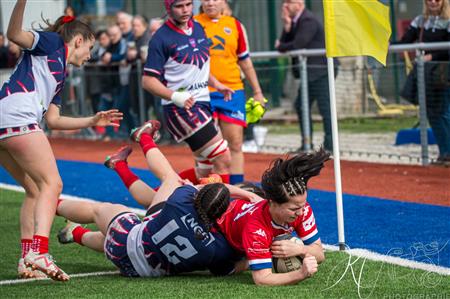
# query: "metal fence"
{"points": [[363, 89]]}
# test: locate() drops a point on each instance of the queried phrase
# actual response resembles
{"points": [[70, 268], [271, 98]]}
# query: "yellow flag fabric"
{"points": [[357, 27]]}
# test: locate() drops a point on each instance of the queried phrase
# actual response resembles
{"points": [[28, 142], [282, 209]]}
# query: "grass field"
{"points": [[369, 279]]}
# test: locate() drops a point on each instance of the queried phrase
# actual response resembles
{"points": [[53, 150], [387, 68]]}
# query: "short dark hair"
{"points": [[290, 176], [211, 202]]}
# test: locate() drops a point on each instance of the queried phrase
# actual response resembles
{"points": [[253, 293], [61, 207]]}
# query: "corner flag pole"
{"points": [[336, 154]]}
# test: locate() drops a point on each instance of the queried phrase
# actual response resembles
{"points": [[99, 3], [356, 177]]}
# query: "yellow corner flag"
{"points": [[357, 27]]}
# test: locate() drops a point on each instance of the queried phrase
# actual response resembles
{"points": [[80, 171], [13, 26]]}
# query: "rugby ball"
{"points": [[289, 264]]}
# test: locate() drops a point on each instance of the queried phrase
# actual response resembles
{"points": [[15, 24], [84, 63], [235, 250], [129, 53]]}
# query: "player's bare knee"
{"points": [[235, 146], [58, 184]]}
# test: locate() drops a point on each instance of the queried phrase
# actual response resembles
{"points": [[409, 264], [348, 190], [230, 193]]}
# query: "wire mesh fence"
{"points": [[364, 90]]}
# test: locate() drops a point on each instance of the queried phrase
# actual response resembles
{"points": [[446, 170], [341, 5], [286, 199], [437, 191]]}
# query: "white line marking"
{"points": [[17, 281], [65, 196], [356, 252], [373, 256]]}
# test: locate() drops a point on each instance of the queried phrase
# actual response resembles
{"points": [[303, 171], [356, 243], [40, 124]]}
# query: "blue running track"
{"points": [[414, 231]]}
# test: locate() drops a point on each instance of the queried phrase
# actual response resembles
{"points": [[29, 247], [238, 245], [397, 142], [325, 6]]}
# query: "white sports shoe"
{"points": [[26, 272], [65, 235], [46, 264]]}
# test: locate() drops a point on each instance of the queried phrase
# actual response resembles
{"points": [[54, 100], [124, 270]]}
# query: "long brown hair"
{"points": [[445, 10], [290, 176], [69, 28]]}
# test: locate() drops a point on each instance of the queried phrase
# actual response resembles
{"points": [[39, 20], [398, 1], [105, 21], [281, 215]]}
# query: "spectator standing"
{"points": [[155, 24], [96, 79], [229, 55], [433, 25], [137, 50], [124, 22], [303, 30], [69, 11], [141, 36], [113, 57]]}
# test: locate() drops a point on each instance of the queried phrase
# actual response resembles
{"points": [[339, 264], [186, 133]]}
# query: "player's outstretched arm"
{"points": [[103, 118], [244, 194], [266, 277], [287, 248], [15, 33]]}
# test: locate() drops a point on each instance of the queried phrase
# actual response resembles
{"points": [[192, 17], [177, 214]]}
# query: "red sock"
{"points": [[40, 244], [225, 178], [127, 177], [147, 143], [57, 205], [26, 246], [190, 175], [78, 233]]}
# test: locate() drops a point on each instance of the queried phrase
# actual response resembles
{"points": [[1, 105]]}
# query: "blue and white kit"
{"points": [[35, 83], [172, 242], [180, 60]]}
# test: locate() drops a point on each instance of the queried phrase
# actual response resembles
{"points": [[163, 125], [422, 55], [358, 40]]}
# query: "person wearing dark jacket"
{"points": [[434, 26], [303, 30]]}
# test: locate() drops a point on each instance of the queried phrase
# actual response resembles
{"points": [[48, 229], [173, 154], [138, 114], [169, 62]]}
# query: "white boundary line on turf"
{"points": [[373, 256], [65, 196], [17, 281], [355, 252]]}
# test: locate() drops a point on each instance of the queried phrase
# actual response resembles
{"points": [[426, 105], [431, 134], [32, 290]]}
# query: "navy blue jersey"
{"points": [[173, 238], [180, 60], [36, 81]]}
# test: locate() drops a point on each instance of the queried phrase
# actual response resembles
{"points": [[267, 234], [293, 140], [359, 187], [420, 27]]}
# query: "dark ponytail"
{"points": [[289, 177], [211, 202], [68, 28]]}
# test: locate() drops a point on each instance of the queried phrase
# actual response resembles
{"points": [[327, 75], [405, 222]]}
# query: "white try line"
{"points": [[354, 252], [17, 281], [373, 256]]}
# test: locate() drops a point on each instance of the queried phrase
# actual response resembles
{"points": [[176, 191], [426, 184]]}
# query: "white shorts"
{"points": [[21, 130]]}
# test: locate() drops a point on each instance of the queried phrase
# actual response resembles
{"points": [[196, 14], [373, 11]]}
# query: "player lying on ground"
{"points": [[251, 228], [178, 236], [31, 94], [247, 224]]}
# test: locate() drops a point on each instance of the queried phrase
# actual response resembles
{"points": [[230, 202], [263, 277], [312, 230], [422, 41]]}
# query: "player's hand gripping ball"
{"points": [[288, 264], [254, 110], [210, 179]]}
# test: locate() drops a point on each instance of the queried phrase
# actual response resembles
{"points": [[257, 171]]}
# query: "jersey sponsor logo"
{"points": [[191, 223], [238, 115], [182, 47], [309, 223], [248, 209], [258, 248], [227, 30], [305, 211], [199, 85], [217, 43], [261, 233]]}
